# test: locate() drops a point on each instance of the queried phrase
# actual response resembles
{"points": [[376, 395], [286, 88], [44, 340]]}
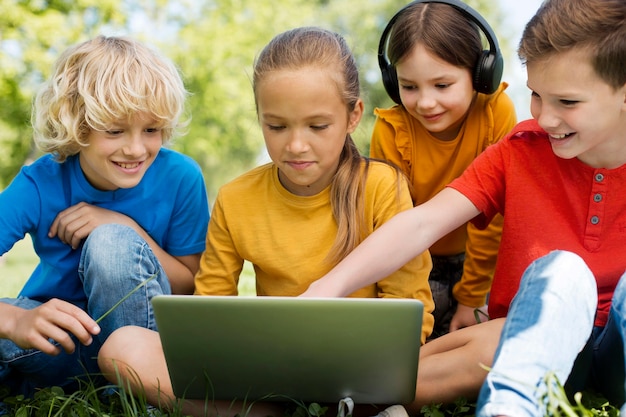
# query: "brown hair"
{"points": [[599, 26], [441, 29], [328, 51]]}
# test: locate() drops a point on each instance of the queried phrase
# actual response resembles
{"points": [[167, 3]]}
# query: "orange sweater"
{"points": [[431, 164]]}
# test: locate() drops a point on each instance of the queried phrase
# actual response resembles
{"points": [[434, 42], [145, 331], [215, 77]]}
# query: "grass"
{"points": [[16, 266], [90, 400], [109, 401]]}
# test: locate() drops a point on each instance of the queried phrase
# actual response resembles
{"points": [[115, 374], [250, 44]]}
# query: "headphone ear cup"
{"points": [[488, 72], [390, 82]]}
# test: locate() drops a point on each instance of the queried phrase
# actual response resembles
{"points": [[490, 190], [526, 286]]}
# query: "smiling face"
{"points": [[435, 92], [584, 116], [305, 123], [120, 156]]}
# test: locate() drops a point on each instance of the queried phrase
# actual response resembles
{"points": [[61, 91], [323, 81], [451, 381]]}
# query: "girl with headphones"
{"points": [[451, 105]]}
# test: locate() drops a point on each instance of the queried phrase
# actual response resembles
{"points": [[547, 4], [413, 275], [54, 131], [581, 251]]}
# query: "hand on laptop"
{"points": [[323, 288]]}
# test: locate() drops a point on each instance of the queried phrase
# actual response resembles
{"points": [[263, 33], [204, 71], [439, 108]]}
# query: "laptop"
{"points": [[278, 348]]}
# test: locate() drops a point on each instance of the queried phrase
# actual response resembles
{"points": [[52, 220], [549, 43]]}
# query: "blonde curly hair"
{"points": [[99, 82]]}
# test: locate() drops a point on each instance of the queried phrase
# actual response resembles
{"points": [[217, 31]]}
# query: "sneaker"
{"points": [[393, 411]]}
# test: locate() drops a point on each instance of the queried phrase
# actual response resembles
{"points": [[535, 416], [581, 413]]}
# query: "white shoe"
{"points": [[393, 411]]}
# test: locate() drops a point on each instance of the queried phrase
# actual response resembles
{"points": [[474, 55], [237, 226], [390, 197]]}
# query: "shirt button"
{"points": [[599, 177], [597, 198], [595, 220]]}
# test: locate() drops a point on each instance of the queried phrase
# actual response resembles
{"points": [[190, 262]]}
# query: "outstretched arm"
{"points": [[406, 235]]}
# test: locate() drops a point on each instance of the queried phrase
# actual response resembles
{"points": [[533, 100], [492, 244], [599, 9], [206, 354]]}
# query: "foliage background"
{"points": [[214, 43]]}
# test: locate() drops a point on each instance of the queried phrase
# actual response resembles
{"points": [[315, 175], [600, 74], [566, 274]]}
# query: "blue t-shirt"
{"points": [[170, 204]]}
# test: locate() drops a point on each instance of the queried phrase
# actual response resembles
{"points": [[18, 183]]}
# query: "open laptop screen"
{"points": [[307, 349]]}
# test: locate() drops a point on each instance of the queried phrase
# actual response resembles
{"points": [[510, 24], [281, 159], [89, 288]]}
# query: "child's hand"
{"points": [[322, 288], [465, 317], [74, 224], [55, 319]]}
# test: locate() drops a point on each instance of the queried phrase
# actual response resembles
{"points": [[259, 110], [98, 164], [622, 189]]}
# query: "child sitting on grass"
{"points": [[108, 208]]}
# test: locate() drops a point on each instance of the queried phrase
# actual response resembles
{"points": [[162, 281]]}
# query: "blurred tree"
{"points": [[32, 34], [216, 50], [362, 27], [214, 42]]}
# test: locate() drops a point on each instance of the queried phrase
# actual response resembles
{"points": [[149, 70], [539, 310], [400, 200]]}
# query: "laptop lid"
{"points": [[278, 348]]}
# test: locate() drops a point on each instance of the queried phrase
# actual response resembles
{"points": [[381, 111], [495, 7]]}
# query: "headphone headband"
{"points": [[487, 73]]}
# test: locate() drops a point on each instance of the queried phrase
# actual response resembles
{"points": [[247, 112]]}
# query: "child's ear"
{"points": [[355, 116]]}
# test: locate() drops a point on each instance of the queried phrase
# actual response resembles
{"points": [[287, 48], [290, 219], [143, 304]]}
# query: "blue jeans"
{"points": [[114, 261], [548, 326]]}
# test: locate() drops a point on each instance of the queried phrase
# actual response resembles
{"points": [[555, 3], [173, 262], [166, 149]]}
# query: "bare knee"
{"points": [[125, 346]]}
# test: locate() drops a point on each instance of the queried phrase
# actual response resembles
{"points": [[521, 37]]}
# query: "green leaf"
{"points": [[433, 410], [317, 410]]}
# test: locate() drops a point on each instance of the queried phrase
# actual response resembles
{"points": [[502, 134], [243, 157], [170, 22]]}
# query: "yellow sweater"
{"points": [[287, 238], [431, 164]]}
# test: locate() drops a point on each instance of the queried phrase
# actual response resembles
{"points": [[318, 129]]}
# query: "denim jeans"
{"points": [[114, 261], [548, 325]]}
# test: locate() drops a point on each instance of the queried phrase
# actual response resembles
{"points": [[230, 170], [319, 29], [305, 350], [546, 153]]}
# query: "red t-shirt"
{"points": [[548, 203]]}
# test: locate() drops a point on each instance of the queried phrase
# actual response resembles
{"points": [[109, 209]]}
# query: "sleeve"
{"points": [[220, 265], [188, 228], [382, 145], [410, 281], [481, 250], [20, 208]]}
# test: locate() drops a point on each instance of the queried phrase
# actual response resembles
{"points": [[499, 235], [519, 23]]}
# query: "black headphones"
{"points": [[487, 73]]}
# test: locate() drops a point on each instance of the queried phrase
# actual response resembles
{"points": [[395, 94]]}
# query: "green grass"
{"points": [[101, 401], [16, 266]]}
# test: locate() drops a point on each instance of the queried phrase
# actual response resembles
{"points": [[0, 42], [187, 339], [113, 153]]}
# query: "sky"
{"points": [[517, 13]]}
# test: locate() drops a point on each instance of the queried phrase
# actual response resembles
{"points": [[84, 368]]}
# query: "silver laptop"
{"points": [[279, 348]]}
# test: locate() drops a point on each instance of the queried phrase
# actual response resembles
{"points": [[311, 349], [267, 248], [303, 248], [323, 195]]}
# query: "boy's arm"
{"points": [[406, 235], [55, 319]]}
